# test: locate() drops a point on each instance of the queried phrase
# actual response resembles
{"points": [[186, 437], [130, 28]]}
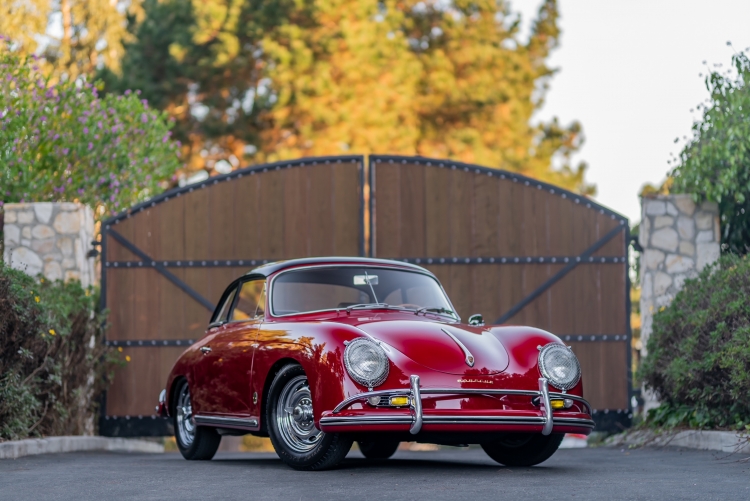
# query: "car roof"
{"points": [[271, 268]]}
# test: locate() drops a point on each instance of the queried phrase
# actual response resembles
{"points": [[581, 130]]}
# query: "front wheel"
{"points": [[291, 426], [194, 442], [378, 450], [523, 449]]}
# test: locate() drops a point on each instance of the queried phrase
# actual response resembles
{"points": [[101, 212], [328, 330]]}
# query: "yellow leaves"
{"points": [[461, 88], [635, 321], [216, 20], [177, 51], [230, 46]]}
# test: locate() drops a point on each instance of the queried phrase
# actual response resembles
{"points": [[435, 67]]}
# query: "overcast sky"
{"points": [[629, 73]]}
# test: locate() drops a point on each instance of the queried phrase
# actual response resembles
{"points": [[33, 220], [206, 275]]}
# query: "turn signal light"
{"points": [[558, 404], [399, 401]]}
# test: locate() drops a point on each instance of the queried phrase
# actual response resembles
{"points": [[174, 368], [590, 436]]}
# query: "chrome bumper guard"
{"points": [[415, 392]]}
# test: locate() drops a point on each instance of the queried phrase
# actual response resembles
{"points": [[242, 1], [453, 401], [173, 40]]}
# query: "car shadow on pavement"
{"points": [[402, 464]]}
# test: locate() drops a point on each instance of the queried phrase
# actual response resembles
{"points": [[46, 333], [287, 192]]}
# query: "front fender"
{"points": [[523, 344]]}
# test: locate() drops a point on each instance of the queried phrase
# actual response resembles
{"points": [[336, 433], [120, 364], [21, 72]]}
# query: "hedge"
{"points": [[698, 359], [53, 364]]}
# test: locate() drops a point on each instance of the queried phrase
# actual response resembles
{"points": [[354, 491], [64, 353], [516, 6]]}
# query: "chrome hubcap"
{"points": [[185, 421], [294, 416]]}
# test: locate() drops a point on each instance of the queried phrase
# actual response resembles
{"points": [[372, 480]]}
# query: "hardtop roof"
{"points": [[271, 268]]}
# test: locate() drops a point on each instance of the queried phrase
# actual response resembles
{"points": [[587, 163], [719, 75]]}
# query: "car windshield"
{"points": [[330, 288]]}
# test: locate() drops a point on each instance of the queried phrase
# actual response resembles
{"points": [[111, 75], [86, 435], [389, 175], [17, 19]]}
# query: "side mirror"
{"points": [[476, 320]]}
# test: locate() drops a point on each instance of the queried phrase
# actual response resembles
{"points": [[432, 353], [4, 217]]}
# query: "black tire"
{"points": [[382, 449], [323, 451], [523, 449], [205, 441]]}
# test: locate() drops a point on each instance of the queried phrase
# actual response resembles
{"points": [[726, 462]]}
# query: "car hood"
{"points": [[438, 346]]}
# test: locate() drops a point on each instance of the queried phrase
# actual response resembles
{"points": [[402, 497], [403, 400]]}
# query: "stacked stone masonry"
{"points": [[52, 239], [679, 238]]}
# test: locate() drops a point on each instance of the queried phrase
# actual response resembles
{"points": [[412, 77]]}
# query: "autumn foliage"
{"points": [[258, 80]]}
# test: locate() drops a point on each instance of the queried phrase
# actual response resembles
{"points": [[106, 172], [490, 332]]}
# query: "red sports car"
{"points": [[317, 353]]}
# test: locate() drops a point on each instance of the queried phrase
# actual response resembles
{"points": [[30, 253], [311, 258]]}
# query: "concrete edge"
{"points": [[729, 442], [55, 445]]}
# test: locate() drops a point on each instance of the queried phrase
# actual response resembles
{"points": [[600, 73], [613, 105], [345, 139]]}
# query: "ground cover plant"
{"points": [[53, 364], [699, 351]]}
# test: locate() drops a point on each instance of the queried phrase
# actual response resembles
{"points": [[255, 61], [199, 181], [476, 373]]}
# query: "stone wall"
{"points": [[679, 238], [52, 239]]}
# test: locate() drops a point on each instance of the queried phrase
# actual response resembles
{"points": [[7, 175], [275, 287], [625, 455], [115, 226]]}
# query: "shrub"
{"points": [[63, 142], [713, 165], [699, 351], [52, 362]]}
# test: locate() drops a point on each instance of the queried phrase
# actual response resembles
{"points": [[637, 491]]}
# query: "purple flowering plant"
{"points": [[57, 142]]}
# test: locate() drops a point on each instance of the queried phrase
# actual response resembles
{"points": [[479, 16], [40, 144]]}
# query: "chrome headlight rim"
{"points": [[351, 366], [546, 371]]}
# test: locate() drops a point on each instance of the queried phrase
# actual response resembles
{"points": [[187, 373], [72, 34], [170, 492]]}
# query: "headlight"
{"points": [[366, 362], [560, 366]]}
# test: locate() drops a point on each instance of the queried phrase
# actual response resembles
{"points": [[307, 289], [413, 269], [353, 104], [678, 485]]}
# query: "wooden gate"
{"points": [[167, 261], [518, 251], [509, 247]]}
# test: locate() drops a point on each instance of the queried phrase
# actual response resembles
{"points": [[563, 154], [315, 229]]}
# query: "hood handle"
{"points": [[469, 358]]}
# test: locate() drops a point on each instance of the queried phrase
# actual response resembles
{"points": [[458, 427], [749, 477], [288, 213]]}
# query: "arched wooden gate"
{"points": [[509, 247]]}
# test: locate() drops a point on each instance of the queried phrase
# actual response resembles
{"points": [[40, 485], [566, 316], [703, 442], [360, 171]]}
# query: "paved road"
{"points": [[578, 474]]}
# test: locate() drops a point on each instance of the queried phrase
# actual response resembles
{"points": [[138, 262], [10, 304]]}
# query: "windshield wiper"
{"points": [[373, 305], [436, 309]]}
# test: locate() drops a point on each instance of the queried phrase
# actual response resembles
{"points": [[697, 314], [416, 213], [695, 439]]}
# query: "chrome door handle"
{"points": [[205, 349]]}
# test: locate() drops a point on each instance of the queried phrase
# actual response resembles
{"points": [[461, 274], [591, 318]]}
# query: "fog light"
{"points": [[373, 400], [557, 404], [399, 401]]}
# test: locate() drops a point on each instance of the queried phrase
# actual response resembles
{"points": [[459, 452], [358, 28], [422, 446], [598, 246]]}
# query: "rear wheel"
{"points": [[291, 425], [194, 442], [378, 450], [523, 449]]}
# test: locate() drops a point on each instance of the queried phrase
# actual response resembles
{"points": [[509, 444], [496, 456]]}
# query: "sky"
{"points": [[629, 72]]}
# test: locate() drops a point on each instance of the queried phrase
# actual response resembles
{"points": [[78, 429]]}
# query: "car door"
{"points": [[225, 369]]}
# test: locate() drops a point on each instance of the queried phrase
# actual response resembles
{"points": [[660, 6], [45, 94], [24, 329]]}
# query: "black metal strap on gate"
{"points": [[161, 269], [560, 274], [237, 263], [148, 343]]}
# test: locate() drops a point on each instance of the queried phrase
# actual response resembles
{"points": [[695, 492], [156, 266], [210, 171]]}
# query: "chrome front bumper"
{"points": [[417, 419]]}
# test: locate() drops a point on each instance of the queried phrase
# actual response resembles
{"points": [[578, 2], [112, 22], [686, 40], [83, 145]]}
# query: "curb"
{"points": [[55, 445], [729, 442]]}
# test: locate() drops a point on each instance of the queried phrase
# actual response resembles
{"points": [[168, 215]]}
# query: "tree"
{"points": [[199, 61], [715, 164], [90, 35], [268, 80], [62, 142]]}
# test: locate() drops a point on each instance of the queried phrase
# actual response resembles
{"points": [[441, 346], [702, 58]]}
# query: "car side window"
{"points": [[250, 303], [224, 312]]}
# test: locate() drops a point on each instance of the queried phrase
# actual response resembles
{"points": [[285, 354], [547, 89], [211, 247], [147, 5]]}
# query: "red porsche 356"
{"points": [[317, 353]]}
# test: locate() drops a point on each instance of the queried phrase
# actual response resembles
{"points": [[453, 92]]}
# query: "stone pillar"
{"points": [[679, 239], [52, 239]]}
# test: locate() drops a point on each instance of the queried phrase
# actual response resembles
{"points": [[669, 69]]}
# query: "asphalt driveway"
{"points": [[580, 474]]}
